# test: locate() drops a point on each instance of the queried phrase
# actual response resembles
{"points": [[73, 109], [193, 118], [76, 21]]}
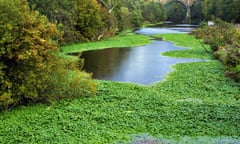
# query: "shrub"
{"points": [[89, 21], [224, 40], [67, 81], [218, 35], [28, 57]]}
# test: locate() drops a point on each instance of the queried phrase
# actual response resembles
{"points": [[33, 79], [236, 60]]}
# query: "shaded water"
{"points": [[143, 65]]}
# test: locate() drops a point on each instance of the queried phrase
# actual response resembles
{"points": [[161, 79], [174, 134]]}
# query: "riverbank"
{"points": [[196, 49], [124, 39], [196, 103]]}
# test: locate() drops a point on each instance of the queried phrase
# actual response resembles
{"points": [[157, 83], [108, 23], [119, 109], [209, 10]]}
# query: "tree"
{"points": [[153, 12], [80, 20], [61, 13], [29, 64], [89, 20], [176, 12], [136, 12], [226, 10], [197, 12], [109, 4], [26, 45]]}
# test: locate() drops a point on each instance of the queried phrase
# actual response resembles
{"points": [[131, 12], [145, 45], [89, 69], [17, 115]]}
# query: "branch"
{"points": [[110, 8]]}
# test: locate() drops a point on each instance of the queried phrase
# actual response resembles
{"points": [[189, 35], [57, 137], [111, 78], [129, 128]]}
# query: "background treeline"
{"points": [[90, 20], [176, 12], [227, 10]]}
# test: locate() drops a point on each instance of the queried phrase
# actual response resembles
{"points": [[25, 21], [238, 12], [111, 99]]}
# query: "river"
{"points": [[143, 65]]}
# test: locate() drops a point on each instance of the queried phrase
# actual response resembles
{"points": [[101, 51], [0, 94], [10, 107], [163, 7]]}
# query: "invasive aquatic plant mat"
{"points": [[196, 103]]}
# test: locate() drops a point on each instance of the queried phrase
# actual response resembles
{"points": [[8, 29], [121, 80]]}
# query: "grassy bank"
{"points": [[197, 103], [124, 39], [196, 49]]}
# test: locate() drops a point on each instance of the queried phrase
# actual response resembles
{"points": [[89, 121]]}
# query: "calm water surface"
{"points": [[179, 28], [143, 65]]}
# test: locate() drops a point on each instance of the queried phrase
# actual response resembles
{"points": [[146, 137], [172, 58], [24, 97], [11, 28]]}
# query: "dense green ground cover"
{"points": [[124, 39], [196, 104], [196, 48]]}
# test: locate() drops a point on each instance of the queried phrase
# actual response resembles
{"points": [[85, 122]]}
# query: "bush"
{"points": [[28, 57], [224, 40], [67, 81], [88, 19], [80, 20], [220, 34]]}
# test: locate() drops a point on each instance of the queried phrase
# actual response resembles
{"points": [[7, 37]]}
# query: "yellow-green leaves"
{"points": [[25, 43], [28, 59]]}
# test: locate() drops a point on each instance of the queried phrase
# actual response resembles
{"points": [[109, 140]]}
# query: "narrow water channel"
{"points": [[143, 65]]}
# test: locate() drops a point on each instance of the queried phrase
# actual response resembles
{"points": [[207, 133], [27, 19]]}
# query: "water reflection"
{"points": [[144, 65]]}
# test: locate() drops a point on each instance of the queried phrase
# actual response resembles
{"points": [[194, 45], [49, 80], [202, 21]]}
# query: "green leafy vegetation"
{"points": [[93, 20], [195, 103], [197, 15], [181, 106], [78, 20], [153, 13], [195, 48], [226, 10], [30, 70], [125, 39], [176, 12], [224, 40]]}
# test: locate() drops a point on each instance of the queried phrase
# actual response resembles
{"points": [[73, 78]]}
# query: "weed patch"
{"points": [[195, 48], [125, 39], [196, 103]]}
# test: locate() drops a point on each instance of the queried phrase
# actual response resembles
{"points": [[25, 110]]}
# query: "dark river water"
{"points": [[143, 65]]}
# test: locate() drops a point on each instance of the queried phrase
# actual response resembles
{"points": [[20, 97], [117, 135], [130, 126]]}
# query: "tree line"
{"points": [[227, 10], [90, 20]]}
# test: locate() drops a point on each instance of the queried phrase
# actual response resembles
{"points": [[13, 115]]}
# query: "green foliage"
{"points": [[69, 82], [195, 48], [78, 19], [28, 56], [224, 40], [153, 12], [137, 18], [82, 20], [88, 19], [136, 13], [61, 13], [196, 100], [227, 10], [176, 12], [197, 12], [26, 44], [219, 35], [124, 39], [124, 18]]}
